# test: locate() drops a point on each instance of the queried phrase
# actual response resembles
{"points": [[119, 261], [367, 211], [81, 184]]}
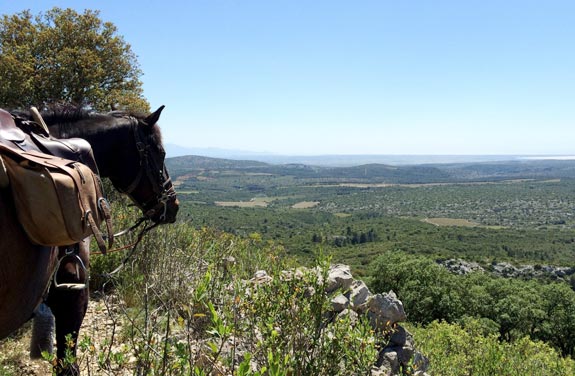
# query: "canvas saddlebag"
{"points": [[58, 201]]}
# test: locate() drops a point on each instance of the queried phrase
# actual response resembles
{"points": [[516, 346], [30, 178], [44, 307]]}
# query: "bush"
{"points": [[188, 306], [454, 350]]}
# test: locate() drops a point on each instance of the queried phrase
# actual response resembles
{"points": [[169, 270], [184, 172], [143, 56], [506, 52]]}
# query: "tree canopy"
{"points": [[62, 56]]}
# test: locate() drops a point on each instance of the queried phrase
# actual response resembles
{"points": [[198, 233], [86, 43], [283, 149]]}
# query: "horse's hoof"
{"points": [[72, 370]]}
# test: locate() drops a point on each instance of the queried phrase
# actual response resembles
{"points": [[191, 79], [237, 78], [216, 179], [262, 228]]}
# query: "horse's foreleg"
{"points": [[69, 307]]}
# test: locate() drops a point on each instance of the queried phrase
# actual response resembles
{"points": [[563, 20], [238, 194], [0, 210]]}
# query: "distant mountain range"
{"points": [[378, 172], [342, 160]]}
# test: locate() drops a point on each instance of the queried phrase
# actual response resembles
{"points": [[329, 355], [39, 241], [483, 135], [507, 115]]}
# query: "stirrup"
{"points": [[71, 286]]}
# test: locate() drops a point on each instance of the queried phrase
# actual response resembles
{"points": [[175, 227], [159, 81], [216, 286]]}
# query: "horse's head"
{"points": [[145, 177]]}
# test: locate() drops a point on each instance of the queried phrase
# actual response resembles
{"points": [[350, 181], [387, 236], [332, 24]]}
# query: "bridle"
{"points": [[152, 167]]}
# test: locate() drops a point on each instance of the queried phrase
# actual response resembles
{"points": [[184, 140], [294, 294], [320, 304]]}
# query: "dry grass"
{"points": [[450, 222], [256, 202], [305, 204]]}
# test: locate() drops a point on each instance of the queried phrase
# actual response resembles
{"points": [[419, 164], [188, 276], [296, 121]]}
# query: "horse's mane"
{"points": [[68, 118]]}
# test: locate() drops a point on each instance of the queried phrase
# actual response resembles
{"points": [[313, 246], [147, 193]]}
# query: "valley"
{"points": [[516, 211]]}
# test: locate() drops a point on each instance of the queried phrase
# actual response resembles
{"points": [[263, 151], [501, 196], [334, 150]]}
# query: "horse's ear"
{"points": [[154, 117]]}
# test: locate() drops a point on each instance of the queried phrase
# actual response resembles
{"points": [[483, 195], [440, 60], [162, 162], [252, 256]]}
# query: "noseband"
{"points": [[154, 169]]}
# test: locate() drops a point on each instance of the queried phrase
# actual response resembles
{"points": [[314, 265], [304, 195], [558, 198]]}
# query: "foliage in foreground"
{"points": [[187, 303], [193, 307]]}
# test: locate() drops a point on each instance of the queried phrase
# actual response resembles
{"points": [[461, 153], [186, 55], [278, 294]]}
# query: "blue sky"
{"points": [[353, 77]]}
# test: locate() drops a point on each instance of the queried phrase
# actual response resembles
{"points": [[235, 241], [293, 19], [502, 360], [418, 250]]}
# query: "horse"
{"points": [[128, 150]]}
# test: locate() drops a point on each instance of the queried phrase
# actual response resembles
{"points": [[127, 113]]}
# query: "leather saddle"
{"points": [[26, 135]]}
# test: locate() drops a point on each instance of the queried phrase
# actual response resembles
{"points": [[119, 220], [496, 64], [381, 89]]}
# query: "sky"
{"points": [[303, 77]]}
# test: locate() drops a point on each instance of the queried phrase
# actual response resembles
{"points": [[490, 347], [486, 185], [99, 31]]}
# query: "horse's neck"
{"points": [[106, 137]]}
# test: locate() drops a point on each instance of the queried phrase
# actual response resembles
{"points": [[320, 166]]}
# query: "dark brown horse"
{"points": [[128, 150]]}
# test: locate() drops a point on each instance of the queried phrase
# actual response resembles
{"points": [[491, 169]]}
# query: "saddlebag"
{"points": [[58, 201]]}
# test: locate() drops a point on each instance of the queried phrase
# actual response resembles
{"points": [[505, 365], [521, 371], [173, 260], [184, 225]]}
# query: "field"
{"points": [[450, 222]]}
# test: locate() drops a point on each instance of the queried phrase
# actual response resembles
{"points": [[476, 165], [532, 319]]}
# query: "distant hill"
{"points": [[383, 173], [364, 173], [194, 162], [173, 151], [520, 169]]}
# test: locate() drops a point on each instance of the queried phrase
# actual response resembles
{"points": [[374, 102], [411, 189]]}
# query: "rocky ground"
{"points": [[98, 325]]}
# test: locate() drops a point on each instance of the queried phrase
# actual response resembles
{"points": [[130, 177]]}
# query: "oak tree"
{"points": [[62, 56]]}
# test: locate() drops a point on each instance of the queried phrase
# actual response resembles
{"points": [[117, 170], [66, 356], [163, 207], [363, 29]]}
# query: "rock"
{"points": [[339, 303], [359, 293], [401, 337], [385, 310], [458, 266], [339, 277], [380, 371], [504, 269], [229, 262], [353, 316], [388, 359], [261, 277], [420, 362], [404, 354]]}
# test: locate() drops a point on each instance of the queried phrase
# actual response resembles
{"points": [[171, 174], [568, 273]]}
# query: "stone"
{"points": [[339, 303], [400, 336], [380, 371], [421, 362], [359, 293], [388, 359], [353, 316], [339, 277], [261, 277], [385, 310], [404, 354]]}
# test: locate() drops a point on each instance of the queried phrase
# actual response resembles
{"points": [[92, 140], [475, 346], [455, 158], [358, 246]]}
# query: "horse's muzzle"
{"points": [[167, 212]]}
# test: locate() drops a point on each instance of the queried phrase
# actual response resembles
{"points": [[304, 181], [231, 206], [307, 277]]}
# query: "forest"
{"points": [[524, 214]]}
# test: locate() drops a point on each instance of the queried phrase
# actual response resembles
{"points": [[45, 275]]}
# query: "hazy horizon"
{"points": [[341, 160], [264, 152], [370, 77]]}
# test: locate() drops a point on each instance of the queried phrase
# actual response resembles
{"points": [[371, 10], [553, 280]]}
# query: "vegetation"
{"points": [[393, 228], [525, 220], [64, 56], [187, 302], [510, 309], [456, 350]]}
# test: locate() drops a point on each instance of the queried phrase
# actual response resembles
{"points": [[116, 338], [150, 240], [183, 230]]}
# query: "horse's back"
{"points": [[25, 269]]}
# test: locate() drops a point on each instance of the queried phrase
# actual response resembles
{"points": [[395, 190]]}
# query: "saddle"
{"points": [[27, 135], [54, 183]]}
